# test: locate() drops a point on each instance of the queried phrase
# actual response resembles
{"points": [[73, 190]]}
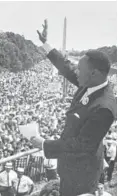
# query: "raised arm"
{"points": [[65, 67]]}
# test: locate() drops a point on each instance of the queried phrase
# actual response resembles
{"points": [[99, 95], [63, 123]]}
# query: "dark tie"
{"points": [[18, 185], [8, 179]]}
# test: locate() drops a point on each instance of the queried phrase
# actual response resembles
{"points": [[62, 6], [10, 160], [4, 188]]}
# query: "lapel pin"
{"points": [[85, 100]]}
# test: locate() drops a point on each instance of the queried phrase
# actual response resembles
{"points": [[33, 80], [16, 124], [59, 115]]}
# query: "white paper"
{"points": [[29, 130]]}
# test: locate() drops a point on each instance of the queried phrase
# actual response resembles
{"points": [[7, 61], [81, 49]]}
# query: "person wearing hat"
{"points": [[23, 185], [6, 180], [79, 150]]}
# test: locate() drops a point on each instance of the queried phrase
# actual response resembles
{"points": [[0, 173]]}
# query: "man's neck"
{"points": [[96, 84]]}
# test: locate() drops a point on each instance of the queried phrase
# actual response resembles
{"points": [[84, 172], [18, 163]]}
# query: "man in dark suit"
{"points": [[79, 150]]}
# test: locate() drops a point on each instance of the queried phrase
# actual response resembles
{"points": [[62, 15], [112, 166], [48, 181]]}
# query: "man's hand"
{"points": [[43, 35], [37, 142]]}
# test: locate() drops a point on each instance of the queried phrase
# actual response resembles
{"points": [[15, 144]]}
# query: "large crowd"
{"points": [[25, 98], [34, 95]]}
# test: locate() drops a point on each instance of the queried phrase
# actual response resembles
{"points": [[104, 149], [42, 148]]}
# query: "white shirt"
{"points": [[114, 135], [25, 183], [105, 164], [104, 194], [93, 89], [50, 163], [86, 194], [4, 178]]}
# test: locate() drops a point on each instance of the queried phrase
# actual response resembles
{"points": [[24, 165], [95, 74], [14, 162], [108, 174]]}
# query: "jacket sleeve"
{"points": [[88, 140], [69, 71]]}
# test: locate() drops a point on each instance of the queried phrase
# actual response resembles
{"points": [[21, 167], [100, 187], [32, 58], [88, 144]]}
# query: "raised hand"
{"points": [[43, 35]]}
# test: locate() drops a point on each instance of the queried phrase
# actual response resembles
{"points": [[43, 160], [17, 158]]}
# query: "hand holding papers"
{"points": [[38, 142], [31, 132]]}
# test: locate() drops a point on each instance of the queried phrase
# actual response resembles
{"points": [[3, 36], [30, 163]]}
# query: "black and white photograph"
{"points": [[58, 98]]}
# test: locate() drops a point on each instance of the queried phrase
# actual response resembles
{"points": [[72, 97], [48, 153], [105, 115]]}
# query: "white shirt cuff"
{"points": [[47, 48]]}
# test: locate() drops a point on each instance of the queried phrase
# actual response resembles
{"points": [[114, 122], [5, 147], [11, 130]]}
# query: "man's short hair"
{"points": [[99, 60]]}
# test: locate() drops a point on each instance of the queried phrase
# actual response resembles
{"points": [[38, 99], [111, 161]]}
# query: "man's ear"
{"points": [[95, 72]]}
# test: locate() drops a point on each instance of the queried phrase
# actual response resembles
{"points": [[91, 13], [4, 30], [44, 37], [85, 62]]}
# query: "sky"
{"points": [[89, 24]]}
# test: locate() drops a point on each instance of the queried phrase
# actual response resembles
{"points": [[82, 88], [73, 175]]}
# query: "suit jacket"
{"points": [[80, 150]]}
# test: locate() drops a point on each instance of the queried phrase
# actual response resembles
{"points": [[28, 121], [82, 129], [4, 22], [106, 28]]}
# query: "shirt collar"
{"points": [[95, 88]]}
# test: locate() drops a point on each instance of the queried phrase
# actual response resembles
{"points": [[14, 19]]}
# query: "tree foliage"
{"points": [[17, 53], [110, 51]]}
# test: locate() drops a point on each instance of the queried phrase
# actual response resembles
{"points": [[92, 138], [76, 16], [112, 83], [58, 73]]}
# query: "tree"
{"points": [[17, 53]]}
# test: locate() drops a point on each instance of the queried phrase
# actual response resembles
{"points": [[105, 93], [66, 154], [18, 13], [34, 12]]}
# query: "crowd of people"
{"points": [[15, 183], [25, 98], [110, 155], [35, 95]]}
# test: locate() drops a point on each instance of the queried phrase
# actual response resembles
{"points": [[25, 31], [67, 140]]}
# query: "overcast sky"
{"points": [[89, 24]]}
